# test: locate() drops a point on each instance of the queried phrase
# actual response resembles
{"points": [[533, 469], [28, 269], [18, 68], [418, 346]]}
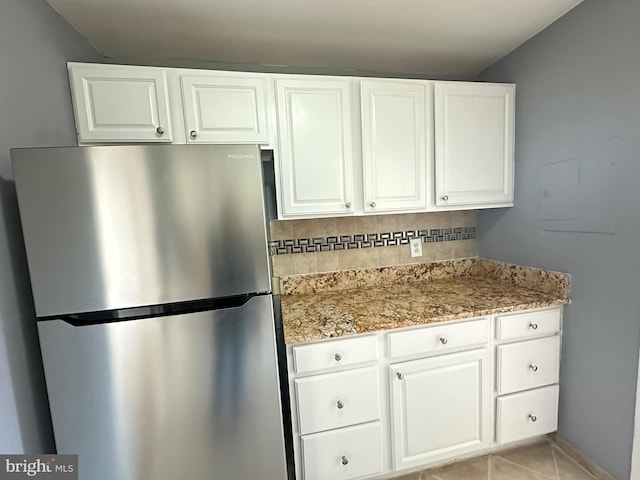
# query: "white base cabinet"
{"points": [[440, 407], [372, 404]]}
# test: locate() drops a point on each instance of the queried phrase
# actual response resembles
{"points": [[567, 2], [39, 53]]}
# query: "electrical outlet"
{"points": [[416, 247]]}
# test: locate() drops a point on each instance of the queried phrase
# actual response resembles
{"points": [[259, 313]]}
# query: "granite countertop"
{"points": [[455, 291]]}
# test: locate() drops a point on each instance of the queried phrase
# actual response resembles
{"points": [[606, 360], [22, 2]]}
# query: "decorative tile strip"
{"points": [[368, 240]]}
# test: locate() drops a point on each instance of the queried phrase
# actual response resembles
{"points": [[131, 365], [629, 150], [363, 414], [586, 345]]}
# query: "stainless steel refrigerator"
{"points": [[151, 282]]}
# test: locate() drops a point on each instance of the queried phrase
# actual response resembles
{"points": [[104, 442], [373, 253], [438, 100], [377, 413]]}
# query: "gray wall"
{"points": [[578, 99], [35, 110]]}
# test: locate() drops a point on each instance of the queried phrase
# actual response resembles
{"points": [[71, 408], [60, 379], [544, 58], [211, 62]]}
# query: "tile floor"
{"points": [[541, 461]]}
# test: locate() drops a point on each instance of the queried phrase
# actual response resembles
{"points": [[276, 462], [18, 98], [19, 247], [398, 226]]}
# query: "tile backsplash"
{"points": [[343, 243]]}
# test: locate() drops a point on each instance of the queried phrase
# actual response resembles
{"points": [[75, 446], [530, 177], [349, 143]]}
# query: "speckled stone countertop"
{"points": [[319, 308]]}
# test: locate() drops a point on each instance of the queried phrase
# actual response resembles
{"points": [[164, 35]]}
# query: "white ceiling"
{"points": [[439, 37]]}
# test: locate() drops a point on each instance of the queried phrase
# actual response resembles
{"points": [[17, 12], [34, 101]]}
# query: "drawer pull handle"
{"points": [[400, 375], [443, 340], [344, 460], [340, 405], [193, 134], [338, 357], [533, 418], [534, 326], [533, 367]]}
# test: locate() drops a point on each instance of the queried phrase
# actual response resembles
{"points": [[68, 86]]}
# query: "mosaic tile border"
{"points": [[369, 240]]}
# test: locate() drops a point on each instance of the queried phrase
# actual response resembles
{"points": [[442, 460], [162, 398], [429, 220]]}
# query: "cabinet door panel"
{"points": [[394, 144], [225, 109], [440, 407], [314, 119], [474, 143], [120, 104]]}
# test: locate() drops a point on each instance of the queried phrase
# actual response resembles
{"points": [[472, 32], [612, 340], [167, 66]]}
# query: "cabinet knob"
{"points": [[372, 204], [443, 340], [533, 367], [340, 405], [444, 197], [348, 204], [338, 357], [160, 131], [344, 460], [400, 375], [193, 134], [533, 326], [533, 418]]}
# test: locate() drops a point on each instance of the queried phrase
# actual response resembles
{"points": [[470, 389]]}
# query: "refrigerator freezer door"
{"points": [[116, 227], [190, 396]]}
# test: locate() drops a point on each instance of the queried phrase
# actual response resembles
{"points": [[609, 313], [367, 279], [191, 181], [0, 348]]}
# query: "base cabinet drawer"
{"points": [[527, 414], [527, 365], [527, 324], [351, 452], [338, 399], [439, 338], [335, 354]]}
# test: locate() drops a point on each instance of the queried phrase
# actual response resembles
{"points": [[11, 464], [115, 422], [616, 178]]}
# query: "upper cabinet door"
{"points": [[396, 144], [474, 128], [316, 150], [116, 103], [225, 109]]}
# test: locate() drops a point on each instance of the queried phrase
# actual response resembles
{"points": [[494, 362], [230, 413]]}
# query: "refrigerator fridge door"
{"points": [[116, 227], [191, 396]]}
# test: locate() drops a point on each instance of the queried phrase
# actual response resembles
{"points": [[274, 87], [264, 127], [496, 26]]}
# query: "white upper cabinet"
{"points": [[316, 149], [474, 136], [225, 108], [116, 103], [396, 144]]}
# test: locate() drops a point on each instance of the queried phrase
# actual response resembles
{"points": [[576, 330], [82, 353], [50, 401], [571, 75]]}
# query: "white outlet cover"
{"points": [[416, 247]]}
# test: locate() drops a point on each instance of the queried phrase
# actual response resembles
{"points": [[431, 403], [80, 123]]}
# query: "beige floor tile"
{"points": [[500, 469], [538, 457], [474, 469], [409, 476], [568, 469]]}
